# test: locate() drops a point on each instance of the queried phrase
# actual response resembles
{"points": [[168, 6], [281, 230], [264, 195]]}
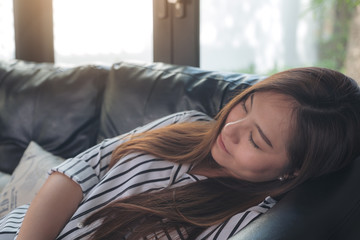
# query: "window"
{"points": [[259, 36], [102, 31], [262, 36], [176, 32], [7, 41]]}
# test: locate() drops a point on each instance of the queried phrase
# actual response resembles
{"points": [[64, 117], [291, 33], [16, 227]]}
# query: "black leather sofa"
{"points": [[69, 109]]}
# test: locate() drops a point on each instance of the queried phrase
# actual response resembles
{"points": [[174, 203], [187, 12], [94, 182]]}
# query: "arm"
{"points": [[60, 196], [51, 209]]}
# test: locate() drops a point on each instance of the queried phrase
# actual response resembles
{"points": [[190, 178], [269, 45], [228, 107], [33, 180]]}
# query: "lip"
{"points": [[221, 144]]}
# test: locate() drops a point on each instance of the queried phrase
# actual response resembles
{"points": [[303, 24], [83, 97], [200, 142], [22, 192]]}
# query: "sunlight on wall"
{"points": [[256, 36], [102, 31], [7, 41]]}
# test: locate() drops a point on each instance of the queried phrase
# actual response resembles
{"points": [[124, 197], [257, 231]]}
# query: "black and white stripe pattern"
{"points": [[10, 224], [142, 174]]}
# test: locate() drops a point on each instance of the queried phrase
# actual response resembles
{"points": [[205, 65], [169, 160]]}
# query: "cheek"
{"points": [[249, 163], [248, 160]]}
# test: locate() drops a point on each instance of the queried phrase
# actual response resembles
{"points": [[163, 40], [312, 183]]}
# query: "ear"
{"points": [[290, 175], [296, 173], [293, 175]]}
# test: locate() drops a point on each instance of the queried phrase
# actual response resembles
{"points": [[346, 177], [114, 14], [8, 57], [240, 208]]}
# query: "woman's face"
{"points": [[251, 145]]}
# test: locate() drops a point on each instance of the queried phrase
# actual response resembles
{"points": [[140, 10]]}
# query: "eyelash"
{"points": [[244, 106], [251, 140]]}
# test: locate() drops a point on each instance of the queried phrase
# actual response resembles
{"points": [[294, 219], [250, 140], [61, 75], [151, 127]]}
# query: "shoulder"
{"points": [[179, 117], [237, 222], [189, 116]]}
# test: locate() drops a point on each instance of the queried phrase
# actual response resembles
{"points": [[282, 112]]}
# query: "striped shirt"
{"points": [[143, 173]]}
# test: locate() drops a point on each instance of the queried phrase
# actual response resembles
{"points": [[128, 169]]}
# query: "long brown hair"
{"points": [[325, 138]]}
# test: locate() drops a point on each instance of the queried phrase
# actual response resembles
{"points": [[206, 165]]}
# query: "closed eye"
{"points": [[251, 140], [243, 103], [244, 106]]}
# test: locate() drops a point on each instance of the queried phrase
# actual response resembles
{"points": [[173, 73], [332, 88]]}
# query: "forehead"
{"points": [[273, 113], [274, 99]]}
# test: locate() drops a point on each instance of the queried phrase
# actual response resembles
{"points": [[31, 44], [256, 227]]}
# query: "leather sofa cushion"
{"points": [[56, 107], [140, 93]]}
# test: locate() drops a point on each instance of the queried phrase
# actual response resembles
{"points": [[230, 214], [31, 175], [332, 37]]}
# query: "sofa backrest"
{"points": [[69, 109], [57, 107], [140, 93]]}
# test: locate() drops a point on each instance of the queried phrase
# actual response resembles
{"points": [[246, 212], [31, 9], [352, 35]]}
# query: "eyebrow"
{"points": [[262, 134], [252, 99]]}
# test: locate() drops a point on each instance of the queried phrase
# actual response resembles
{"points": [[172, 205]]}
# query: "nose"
{"points": [[233, 130]]}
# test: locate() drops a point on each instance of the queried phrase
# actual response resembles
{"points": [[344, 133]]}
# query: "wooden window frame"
{"points": [[175, 25]]}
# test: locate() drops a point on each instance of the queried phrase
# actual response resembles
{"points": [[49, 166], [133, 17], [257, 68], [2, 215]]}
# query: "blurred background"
{"points": [[252, 36]]}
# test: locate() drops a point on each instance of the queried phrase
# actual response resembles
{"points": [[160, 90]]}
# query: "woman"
{"points": [[188, 177]]}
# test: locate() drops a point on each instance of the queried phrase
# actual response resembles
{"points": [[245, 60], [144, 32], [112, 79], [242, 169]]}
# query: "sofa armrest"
{"points": [[325, 208]]}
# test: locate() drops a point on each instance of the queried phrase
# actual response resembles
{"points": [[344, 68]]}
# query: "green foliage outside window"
{"points": [[334, 18]]}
